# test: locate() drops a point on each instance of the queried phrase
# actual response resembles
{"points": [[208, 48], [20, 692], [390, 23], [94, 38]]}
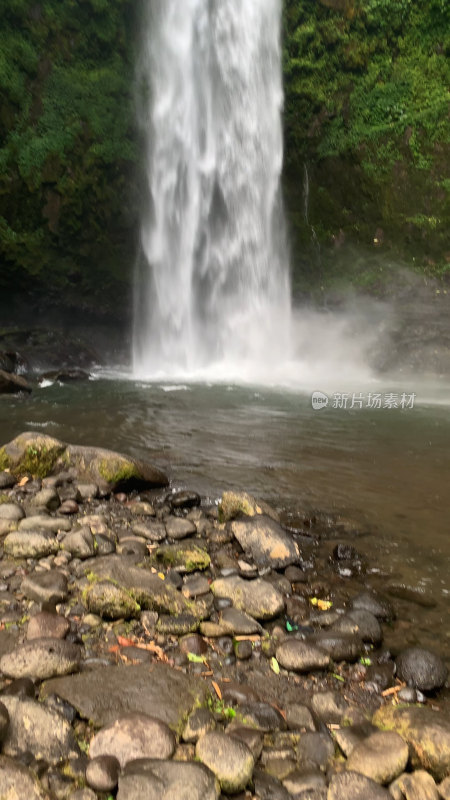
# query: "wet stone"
{"points": [[265, 541], [4, 722], [363, 623], [176, 625], [134, 736], [193, 643], [179, 528], [298, 782], [379, 606], [339, 646], [7, 480], [51, 524], [301, 656], [153, 531], [45, 587], [195, 586], [69, 507], [229, 759], [44, 625], [132, 545], [243, 650], [421, 669], [41, 658], [46, 498], [187, 556], [349, 736], [329, 706], [110, 601], [427, 732], [262, 716], [238, 622], [315, 750], [184, 499], [269, 788], [258, 598]]}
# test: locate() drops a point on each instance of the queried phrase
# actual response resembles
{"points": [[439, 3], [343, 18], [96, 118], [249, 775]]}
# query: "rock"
{"points": [[41, 658], [444, 789], [13, 384], [110, 601], [141, 508], [41, 731], [80, 543], [45, 625], [42, 523], [414, 594], [363, 623], [69, 507], [102, 773], [201, 721], [184, 499], [238, 622], [329, 706], [83, 794], [154, 531], [87, 491], [258, 598], [107, 693], [262, 716], [382, 757], [167, 780], [179, 528], [7, 481], [24, 544], [349, 736], [299, 717], [339, 646], [353, 786], [269, 788], [17, 781], [298, 782], [43, 455], [266, 542], [134, 736], [45, 587], [149, 590], [421, 669], [183, 557], [46, 498], [11, 512], [229, 759], [418, 785], [66, 375], [176, 625], [195, 585], [300, 656], [4, 722], [315, 751], [375, 604], [235, 504], [427, 733]]}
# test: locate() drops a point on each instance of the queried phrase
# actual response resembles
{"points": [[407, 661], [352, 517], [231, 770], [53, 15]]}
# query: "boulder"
{"points": [[13, 384], [427, 733]]}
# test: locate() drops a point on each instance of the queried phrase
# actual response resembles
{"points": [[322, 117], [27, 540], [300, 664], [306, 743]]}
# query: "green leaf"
{"points": [[196, 659], [338, 677], [274, 666]]}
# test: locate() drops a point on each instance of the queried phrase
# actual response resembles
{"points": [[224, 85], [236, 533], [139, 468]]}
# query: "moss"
{"points": [[117, 471], [4, 460], [39, 461], [4, 498]]}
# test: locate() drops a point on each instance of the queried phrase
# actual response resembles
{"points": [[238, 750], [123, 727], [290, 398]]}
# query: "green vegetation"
{"points": [[366, 119], [367, 114]]}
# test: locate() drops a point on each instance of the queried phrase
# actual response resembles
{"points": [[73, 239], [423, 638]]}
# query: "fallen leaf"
{"points": [[216, 688]]}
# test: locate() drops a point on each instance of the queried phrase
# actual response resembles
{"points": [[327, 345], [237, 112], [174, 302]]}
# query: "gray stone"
{"points": [[195, 585], [176, 624], [363, 623], [80, 543], [301, 656], [87, 491], [186, 556], [238, 622], [382, 756], [154, 531], [427, 733], [421, 669], [110, 601], [83, 794], [45, 733], [230, 760], [418, 785], [109, 470], [258, 598], [132, 545], [299, 717], [45, 625], [298, 782], [444, 789], [46, 498], [7, 480], [179, 528], [262, 716], [237, 504], [11, 512], [141, 508], [50, 524], [17, 782], [377, 605], [201, 721], [108, 693], [4, 722], [102, 773], [266, 542], [32, 544], [353, 786], [339, 646], [41, 658], [315, 750], [349, 736], [134, 736], [329, 706], [45, 587], [13, 384], [167, 780], [269, 788]]}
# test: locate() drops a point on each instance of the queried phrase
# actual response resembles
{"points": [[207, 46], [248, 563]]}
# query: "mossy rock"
{"points": [[184, 557], [426, 732], [110, 601], [43, 455], [236, 504]]}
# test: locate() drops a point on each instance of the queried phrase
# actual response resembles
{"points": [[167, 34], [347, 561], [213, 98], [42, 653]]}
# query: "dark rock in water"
{"points": [[102, 773], [11, 361], [421, 669], [355, 786], [107, 693], [41, 658], [41, 731], [184, 499], [13, 384], [65, 375], [16, 780], [339, 646], [413, 594], [174, 780], [266, 541], [427, 733], [377, 605], [361, 622], [133, 736]]}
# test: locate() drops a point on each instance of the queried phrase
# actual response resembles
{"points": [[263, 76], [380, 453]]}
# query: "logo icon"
{"points": [[319, 400]]}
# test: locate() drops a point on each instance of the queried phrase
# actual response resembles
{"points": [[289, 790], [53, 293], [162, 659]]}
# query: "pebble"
{"points": [[179, 528], [102, 773], [229, 759], [11, 512], [167, 780], [379, 606]]}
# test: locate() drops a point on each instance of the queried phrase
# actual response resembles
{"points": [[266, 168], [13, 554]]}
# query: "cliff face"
{"points": [[367, 135]]}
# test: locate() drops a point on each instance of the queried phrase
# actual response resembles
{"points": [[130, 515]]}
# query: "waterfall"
{"points": [[212, 283]]}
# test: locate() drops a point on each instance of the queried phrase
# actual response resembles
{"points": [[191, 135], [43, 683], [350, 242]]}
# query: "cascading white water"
{"points": [[213, 287]]}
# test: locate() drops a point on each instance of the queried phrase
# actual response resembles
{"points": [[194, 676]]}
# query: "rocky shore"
{"points": [[155, 645]]}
